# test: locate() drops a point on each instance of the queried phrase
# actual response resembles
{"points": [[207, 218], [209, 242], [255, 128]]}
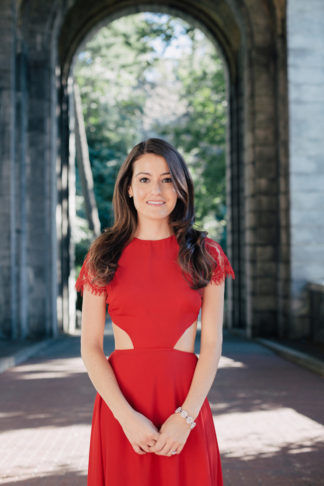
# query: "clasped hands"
{"points": [[145, 437]]}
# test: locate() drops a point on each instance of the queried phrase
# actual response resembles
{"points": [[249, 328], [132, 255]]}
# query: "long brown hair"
{"points": [[194, 259]]}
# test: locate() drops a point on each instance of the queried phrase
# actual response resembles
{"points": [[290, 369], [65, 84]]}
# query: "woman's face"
{"points": [[152, 188]]}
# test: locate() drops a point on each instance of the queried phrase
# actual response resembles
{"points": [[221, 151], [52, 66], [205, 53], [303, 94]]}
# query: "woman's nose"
{"points": [[156, 187]]}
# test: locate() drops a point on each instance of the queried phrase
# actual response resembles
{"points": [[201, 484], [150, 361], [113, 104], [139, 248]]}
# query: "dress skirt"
{"points": [[155, 381]]}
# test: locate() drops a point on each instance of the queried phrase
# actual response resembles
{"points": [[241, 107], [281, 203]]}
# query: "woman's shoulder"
{"points": [[87, 278], [223, 267], [211, 242], [213, 247]]}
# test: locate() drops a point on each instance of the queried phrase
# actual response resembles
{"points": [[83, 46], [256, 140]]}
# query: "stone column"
{"points": [[8, 241], [305, 30]]}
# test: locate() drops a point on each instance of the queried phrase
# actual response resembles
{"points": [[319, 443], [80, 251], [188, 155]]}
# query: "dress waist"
{"points": [[150, 350]]}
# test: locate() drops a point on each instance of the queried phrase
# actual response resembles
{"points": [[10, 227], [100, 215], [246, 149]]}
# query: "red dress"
{"points": [[151, 300]]}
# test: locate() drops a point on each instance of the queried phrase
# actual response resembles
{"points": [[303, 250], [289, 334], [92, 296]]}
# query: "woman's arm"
{"points": [[212, 313], [175, 430], [139, 430], [99, 369]]}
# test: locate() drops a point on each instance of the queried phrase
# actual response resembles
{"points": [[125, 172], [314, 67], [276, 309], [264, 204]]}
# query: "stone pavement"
{"points": [[268, 416]]}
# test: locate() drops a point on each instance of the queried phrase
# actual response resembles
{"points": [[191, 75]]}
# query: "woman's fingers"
{"points": [[138, 449], [164, 446], [145, 437], [158, 446], [147, 447], [168, 448], [140, 431], [161, 447], [149, 441]]}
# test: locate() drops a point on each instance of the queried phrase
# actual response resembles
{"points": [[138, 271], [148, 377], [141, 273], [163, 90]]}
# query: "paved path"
{"points": [[268, 416]]}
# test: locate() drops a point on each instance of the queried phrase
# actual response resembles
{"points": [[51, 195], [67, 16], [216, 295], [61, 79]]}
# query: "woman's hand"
{"points": [[140, 432], [173, 435]]}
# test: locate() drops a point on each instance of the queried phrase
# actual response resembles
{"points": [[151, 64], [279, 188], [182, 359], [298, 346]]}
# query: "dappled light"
{"points": [[247, 440], [226, 362], [54, 369]]}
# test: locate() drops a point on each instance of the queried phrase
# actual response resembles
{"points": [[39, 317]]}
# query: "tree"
{"points": [[155, 75]]}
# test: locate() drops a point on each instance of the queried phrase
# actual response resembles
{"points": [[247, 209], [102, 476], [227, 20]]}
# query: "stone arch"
{"points": [[83, 28], [251, 37]]}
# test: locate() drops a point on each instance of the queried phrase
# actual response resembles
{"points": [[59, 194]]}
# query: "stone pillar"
{"points": [[306, 146], [8, 241], [41, 241], [28, 255]]}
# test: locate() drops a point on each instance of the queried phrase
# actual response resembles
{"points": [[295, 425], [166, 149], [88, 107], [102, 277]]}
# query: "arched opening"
{"points": [[139, 76], [67, 70]]}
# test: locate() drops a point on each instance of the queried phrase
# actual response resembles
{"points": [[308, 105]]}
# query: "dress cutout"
{"points": [[150, 299]]}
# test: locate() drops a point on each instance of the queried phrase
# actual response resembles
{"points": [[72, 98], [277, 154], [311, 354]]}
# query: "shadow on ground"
{"points": [[56, 479]]}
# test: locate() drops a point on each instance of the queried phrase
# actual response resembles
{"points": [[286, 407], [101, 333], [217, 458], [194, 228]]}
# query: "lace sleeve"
{"points": [[223, 267], [86, 278]]}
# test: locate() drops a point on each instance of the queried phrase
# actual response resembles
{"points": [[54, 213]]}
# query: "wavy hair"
{"points": [[194, 259]]}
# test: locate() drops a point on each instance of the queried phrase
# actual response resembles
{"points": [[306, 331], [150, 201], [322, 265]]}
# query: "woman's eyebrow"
{"points": [[149, 173]]}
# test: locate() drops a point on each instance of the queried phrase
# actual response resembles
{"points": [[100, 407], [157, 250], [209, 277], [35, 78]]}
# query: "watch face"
{"points": [[189, 420]]}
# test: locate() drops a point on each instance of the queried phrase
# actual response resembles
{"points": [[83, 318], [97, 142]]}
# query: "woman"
{"points": [[152, 423]]}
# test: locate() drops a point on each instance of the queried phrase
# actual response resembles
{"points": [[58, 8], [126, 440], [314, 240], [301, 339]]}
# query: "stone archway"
{"points": [[251, 35], [83, 27]]}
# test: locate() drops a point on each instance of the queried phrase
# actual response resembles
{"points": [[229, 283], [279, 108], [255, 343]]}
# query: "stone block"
{"points": [[266, 253], [307, 201], [265, 235], [266, 303], [313, 251], [305, 183], [308, 218], [265, 168], [266, 204]]}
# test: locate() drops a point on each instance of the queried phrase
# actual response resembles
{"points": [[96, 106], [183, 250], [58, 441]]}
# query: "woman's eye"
{"points": [[168, 179]]}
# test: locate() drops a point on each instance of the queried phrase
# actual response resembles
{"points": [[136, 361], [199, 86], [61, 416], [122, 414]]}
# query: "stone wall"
{"points": [[306, 149]]}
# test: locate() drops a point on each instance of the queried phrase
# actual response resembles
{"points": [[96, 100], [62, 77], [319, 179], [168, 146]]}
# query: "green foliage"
{"points": [[155, 75]]}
